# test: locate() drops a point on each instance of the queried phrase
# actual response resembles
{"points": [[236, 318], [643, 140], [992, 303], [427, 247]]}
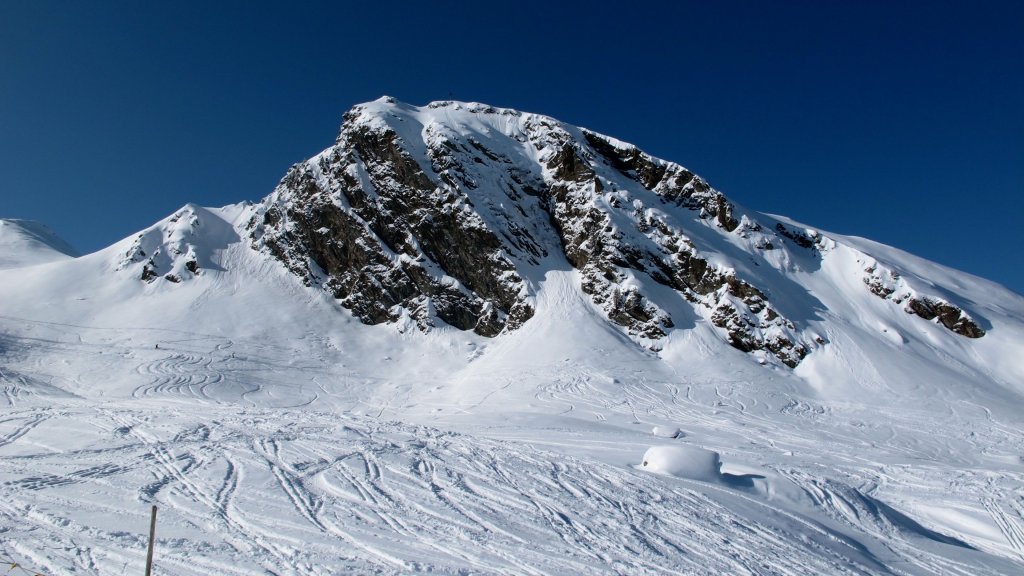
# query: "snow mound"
{"points": [[683, 461]]}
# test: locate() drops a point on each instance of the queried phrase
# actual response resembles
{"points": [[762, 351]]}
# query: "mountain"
{"points": [[469, 339], [26, 243], [453, 213]]}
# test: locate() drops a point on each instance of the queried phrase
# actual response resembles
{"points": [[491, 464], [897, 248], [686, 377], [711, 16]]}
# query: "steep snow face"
{"points": [[27, 243], [449, 214]]}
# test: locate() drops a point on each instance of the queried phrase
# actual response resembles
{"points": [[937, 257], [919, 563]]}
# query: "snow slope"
{"points": [[186, 366], [26, 243]]}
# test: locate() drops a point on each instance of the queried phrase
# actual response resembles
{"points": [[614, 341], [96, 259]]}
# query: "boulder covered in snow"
{"points": [[683, 461]]}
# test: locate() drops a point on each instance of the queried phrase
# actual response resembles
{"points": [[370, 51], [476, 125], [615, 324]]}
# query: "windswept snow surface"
{"points": [[278, 435], [27, 243]]}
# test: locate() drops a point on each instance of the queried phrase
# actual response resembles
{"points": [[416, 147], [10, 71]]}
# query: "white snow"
{"points": [[279, 435], [667, 432], [27, 243], [684, 461]]}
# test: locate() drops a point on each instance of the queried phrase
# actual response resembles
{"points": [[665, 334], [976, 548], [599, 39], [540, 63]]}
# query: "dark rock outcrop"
{"points": [[452, 213], [801, 239], [948, 315], [889, 285], [366, 222]]}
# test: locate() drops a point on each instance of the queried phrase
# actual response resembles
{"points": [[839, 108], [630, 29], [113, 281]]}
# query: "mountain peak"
{"points": [[28, 242], [451, 214], [179, 248]]}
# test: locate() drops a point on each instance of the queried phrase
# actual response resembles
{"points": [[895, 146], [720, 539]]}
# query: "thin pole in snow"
{"points": [[152, 536]]}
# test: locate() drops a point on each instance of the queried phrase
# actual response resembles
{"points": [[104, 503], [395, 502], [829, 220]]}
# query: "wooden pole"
{"points": [[152, 537]]}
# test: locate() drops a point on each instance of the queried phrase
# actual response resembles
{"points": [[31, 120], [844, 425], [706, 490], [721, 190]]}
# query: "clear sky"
{"points": [[898, 121]]}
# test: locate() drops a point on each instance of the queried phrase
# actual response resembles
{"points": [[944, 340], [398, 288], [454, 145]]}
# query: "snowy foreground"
{"points": [[248, 491], [288, 457]]}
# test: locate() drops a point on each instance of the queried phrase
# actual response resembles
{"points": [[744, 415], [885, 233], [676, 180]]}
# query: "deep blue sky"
{"points": [[898, 121]]}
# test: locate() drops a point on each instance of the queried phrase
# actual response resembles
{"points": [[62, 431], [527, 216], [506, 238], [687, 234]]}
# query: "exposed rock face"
{"points": [[609, 254], [367, 222], [949, 316], [889, 285], [801, 239], [451, 213]]}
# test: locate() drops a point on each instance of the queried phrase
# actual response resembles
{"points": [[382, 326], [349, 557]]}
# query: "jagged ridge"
{"points": [[451, 213]]}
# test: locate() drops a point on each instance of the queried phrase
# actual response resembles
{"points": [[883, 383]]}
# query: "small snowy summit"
{"points": [[468, 339], [26, 243]]}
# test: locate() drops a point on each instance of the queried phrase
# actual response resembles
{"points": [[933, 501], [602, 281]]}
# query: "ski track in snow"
{"points": [[254, 487], [247, 490], [287, 499], [286, 456]]}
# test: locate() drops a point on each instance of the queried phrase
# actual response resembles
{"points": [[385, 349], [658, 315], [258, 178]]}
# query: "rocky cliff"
{"points": [[450, 214]]}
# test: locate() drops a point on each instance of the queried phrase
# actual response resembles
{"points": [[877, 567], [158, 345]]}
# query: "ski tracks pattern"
{"points": [[245, 491]]}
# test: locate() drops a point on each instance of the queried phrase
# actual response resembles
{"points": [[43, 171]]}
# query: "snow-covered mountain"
{"points": [[443, 344], [26, 243], [454, 213]]}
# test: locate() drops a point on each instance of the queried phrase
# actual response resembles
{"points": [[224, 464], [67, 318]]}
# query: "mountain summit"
{"points": [[27, 243], [452, 213]]}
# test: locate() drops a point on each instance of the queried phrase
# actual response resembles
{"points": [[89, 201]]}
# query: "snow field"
{"points": [[248, 485], [245, 491]]}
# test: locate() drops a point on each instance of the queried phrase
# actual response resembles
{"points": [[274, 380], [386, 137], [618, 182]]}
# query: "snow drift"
{"points": [[684, 461]]}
